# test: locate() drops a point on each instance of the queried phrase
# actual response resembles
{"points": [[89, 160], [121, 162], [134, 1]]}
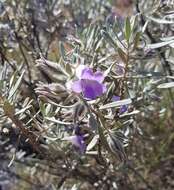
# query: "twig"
{"points": [[25, 59]]}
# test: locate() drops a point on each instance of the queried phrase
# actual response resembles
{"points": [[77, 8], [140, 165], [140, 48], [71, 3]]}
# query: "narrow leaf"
{"points": [[166, 85], [116, 104], [159, 45], [92, 143], [127, 29]]}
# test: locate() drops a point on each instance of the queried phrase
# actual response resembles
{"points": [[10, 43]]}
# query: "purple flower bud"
{"points": [[77, 141], [122, 108], [115, 98], [89, 83]]}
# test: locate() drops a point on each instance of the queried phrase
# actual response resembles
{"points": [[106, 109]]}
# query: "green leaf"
{"points": [[136, 40], [127, 29]]}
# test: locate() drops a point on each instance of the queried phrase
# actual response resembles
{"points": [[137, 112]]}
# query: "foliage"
{"points": [[86, 97]]}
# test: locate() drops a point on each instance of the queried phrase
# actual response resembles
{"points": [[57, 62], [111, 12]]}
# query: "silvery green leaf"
{"points": [[119, 135], [167, 38], [68, 69], [116, 104], [48, 109], [98, 44], [102, 137], [171, 45], [62, 51], [23, 110], [159, 45], [116, 147], [122, 55], [16, 86], [92, 143], [130, 113], [161, 21], [133, 21], [55, 71], [52, 119], [93, 122], [170, 77], [106, 73], [78, 110], [166, 85], [91, 37], [92, 152], [108, 38]]}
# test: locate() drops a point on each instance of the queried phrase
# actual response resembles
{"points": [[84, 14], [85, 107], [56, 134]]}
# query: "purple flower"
{"points": [[77, 141], [115, 98], [123, 108], [89, 83]]}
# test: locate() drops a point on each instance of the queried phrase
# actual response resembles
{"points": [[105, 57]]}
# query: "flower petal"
{"points": [[123, 109], [115, 98], [79, 70], [98, 76], [87, 73], [81, 143], [69, 85], [76, 86], [91, 89], [104, 88]]}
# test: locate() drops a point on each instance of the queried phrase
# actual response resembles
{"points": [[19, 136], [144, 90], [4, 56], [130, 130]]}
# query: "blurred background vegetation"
{"points": [[64, 31]]}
